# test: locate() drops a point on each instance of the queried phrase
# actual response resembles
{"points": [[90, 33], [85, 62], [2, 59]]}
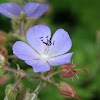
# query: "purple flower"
{"points": [[31, 10], [42, 51]]}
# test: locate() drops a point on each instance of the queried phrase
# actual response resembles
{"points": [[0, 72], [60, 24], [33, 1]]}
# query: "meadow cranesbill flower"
{"points": [[42, 51], [30, 9]]}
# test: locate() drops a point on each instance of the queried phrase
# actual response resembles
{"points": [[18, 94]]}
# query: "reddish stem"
{"points": [[77, 98], [17, 83], [10, 69]]}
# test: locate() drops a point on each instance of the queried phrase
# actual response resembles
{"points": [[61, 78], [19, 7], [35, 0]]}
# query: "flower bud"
{"points": [[67, 72], [3, 37], [11, 93], [67, 91], [32, 96], [3, 59], [22, 15], [2, 71]]}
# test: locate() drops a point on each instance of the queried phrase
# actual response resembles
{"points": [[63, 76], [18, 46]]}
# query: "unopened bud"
{"points": [[22, 16], [67, 91], [67, 72], [11, 93], [68, 66], [32, 96], [2, 60], [2, 71], [3, 37]]}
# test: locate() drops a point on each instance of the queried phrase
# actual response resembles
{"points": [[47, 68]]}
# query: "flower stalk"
{"points": [[16, 85], [22, 28], [37, 90], [52, 74], [48, 79], [10, 69]]}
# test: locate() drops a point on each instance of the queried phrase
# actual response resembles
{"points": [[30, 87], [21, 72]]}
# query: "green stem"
{"points": [[29, 78], [37, 90], [11, 56], [22, 27]]}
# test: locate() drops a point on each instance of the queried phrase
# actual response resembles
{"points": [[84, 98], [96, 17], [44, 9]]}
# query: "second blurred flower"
{"points": [[30, 10]]}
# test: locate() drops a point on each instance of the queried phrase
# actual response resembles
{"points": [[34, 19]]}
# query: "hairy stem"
{"points": [[11, 56], [48, 78], [17, 83], [22, 28], [50, 75], [10, 69], [37, 90]]}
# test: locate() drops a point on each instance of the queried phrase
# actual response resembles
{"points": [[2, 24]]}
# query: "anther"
{"points": [[45, 43], [41, 37], [47, 36], [53, 42]]}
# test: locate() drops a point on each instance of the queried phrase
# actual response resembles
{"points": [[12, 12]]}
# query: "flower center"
{"points": [[48, 43], [44, 57]]}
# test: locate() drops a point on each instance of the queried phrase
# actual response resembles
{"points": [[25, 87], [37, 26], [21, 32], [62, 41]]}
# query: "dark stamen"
{"points": [[45, 43], [41, 37], [53, 42], [47, 36], [48, 43]]}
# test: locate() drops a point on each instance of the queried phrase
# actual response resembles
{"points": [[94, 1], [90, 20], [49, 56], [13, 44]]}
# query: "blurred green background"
{"points": [[81, 18]]}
